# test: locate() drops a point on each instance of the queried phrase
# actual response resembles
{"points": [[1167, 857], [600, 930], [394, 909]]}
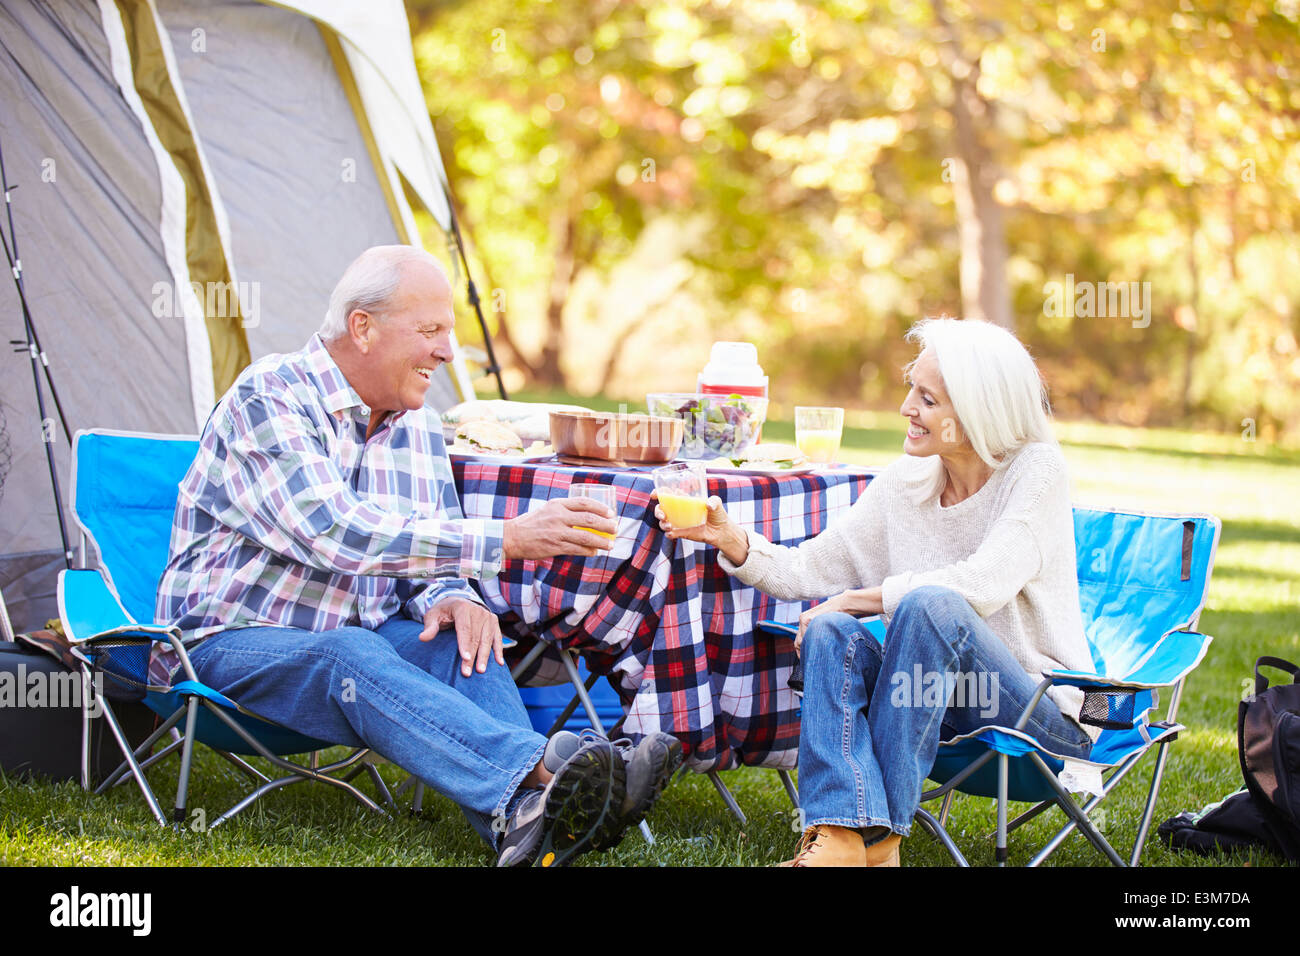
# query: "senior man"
{"points": [[318, 555]]}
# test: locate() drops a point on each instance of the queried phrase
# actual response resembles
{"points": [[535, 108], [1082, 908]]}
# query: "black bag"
{"points": [[40, 719], [1266, 812]]}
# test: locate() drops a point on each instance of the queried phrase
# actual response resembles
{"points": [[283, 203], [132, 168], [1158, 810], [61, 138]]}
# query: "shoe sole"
{"points": [[581, 806], [665, 765]]}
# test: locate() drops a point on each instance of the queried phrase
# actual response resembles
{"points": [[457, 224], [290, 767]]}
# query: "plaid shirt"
{"points": [[289, 517]]}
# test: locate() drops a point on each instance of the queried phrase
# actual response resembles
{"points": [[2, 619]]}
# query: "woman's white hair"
{"points": [[995, 387], [367, 284]]}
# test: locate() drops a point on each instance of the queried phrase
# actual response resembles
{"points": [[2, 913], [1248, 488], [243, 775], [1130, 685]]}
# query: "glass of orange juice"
{"points": [[601, 493], [817, 432], [683, 490]]}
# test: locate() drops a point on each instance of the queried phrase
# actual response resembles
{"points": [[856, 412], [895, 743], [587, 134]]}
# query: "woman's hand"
{"points": [[718, 530], [859, 603]]}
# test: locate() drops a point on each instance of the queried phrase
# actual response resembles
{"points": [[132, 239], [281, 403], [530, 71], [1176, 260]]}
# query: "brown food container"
{"points": [[616, 437]]}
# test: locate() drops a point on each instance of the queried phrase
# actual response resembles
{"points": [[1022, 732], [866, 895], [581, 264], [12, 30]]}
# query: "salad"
{"points": [[716, 426]]}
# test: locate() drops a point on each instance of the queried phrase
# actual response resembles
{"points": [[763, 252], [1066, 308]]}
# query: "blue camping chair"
{"points": [[124, 488], [1142, 584]]}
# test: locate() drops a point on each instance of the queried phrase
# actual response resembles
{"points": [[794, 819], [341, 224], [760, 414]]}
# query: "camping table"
{"points": [[675, 633]]}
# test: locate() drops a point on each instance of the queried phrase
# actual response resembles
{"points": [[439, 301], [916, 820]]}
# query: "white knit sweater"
{"points": [[1008, 549]]}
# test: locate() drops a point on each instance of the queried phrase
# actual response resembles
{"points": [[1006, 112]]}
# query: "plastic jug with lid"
{"points": [[733, 369]]}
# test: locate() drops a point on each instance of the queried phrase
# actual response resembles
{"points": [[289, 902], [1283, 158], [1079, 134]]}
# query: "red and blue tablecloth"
{"points": [[675, 633]]}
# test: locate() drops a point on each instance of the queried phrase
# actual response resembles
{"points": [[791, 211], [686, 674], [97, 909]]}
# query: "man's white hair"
{"points": [[995, 387], [368, 283]]}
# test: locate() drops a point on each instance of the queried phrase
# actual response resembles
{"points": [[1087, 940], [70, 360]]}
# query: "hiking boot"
{"points": [[885, 852], [554, 824], [827, 845], [649, 766]]}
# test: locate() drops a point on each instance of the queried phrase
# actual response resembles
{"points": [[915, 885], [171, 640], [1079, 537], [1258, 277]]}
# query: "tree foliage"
{"points": [[645, 176]]}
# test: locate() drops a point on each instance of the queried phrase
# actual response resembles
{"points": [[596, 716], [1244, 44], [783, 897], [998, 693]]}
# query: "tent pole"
{"points": [[471, 293], [32, 346]]}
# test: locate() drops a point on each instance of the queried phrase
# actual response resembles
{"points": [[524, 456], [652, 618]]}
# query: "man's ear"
{"points": [[361, 327]]}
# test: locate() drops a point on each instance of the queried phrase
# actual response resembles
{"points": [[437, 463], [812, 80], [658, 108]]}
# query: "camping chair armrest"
{"points": [[1039, 691]]}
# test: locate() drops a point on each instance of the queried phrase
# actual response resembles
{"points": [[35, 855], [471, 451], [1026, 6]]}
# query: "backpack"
{"points": [[1266, 812]]}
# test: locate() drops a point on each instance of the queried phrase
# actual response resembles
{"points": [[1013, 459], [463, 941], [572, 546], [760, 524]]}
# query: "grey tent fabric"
{"points": [[290, 179], [290, 165], [292, 169], [86, 218]]}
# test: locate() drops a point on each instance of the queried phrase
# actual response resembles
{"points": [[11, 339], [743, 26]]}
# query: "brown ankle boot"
{"points": [[884, 853], [826, 845]]}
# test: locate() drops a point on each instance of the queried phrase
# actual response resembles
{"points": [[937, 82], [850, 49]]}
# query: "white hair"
{"points": [[995, 387], [368, 283]]}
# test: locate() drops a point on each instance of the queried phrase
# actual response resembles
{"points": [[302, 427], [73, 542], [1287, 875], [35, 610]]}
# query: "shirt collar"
{"points": [[336, 392]]}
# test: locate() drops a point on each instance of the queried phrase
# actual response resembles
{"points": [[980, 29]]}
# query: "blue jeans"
{"points": [[469, 738], [873, 717]]}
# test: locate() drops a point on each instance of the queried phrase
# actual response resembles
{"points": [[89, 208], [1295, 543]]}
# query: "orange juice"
{"points": [[603, 534], [819, 444], [683, 511]]}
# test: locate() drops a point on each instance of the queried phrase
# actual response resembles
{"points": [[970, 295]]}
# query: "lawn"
{"points": [[1253, 609]]}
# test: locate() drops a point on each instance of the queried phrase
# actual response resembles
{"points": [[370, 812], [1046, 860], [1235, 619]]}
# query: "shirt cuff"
{"points": [[434, 594], [476, 550], [892, 591], [751, 570]]}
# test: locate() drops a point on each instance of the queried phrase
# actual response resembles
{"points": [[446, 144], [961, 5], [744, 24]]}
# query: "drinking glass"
{"points": [[817, 432], [683, 490]]}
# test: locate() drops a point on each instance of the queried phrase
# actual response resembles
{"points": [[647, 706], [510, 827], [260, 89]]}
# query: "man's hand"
{"points": [[558, 527], [859, 603], [478, 633]]}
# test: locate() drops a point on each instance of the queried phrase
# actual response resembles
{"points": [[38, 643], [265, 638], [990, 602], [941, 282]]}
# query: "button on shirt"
{"points": [[289, 517]]}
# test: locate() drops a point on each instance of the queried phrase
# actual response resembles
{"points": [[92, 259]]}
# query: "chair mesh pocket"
{"points": [[1109, 709], [125, 662]]}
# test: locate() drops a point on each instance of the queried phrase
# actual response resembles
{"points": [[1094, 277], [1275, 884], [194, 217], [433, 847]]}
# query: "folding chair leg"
{"points": [[380, 787], [133, 764], [417, 801], [1030, 814], [1073, 809], [86, 691], [581, 689], [123, 769], [940, 833], [187, 759], [243, 766], [1111, 782], [790, 790], [945, 807], [1145, 826], [727, 798], [1000, 848]]}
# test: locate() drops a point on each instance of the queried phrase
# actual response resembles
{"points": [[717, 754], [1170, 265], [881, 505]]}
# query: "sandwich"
{"points": [[488, 438], [768, 456]]}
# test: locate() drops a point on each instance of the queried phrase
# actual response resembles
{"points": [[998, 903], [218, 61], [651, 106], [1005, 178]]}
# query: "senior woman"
{"points": [[965, 545]]}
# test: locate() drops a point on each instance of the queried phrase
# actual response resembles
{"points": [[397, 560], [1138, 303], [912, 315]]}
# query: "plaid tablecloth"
{"points": [[673, 630]]}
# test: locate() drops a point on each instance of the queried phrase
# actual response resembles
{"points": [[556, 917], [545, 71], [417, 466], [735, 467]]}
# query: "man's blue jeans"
{"points": [[873, 717], [466, 737]]}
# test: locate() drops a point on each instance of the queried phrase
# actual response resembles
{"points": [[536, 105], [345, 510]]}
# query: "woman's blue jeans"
{"points": [[873, 717], [469, 738]]}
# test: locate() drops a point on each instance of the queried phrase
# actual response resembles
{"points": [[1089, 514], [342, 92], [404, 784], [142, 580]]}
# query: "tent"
{"points": [[194, 177]]}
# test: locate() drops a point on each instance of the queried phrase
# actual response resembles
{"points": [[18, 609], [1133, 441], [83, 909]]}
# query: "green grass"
{"points": [[1253, 609]]}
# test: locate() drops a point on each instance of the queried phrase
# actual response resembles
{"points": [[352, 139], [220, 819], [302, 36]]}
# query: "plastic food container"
{"points": [[716, 426]]}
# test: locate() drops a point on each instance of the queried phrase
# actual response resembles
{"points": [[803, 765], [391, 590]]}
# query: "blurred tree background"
{"points": [[641, 178]]}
